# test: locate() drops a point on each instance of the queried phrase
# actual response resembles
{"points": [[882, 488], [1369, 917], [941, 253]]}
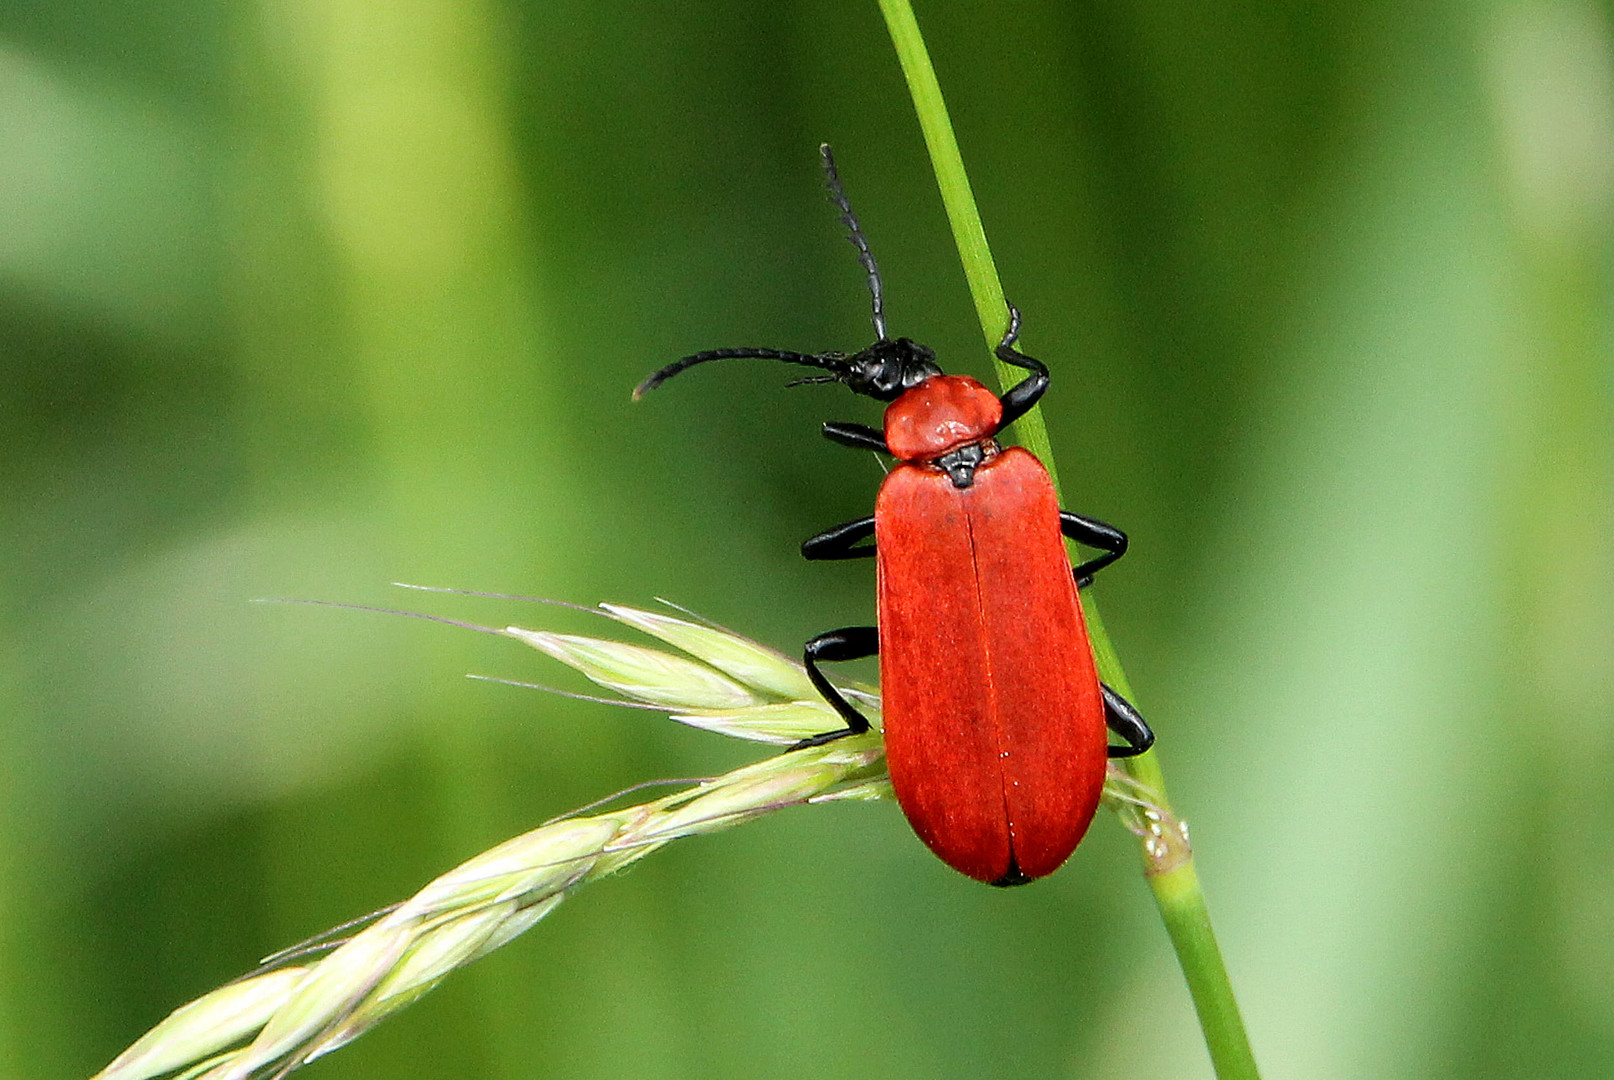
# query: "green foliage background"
{"points": [[301, 297]]}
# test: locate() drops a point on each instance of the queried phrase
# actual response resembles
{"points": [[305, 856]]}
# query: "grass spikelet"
{"points": [[646, 674], [195, 1032], [734, 686], [753, 664]]}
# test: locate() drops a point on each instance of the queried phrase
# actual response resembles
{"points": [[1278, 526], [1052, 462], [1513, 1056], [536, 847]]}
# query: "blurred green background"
{"points": [[302, 297]]}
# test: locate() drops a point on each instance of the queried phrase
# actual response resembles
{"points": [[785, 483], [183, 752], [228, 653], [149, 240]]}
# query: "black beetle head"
{"points": [[887, 368]]}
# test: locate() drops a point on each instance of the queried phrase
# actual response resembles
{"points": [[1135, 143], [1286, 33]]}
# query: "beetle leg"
{"points": [[857, 436], [1095, 534], [847, 643], [1124, 720], [837, 543], [1017, 401]]}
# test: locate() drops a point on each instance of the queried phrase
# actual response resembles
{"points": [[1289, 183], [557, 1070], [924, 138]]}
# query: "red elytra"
{"points": [[994, 722]]}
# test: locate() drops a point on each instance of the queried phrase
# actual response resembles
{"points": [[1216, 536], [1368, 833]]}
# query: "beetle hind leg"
{"points": [[1124, 720], [847, 643]]}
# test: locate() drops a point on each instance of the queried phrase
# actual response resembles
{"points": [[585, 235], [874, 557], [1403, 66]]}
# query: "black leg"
{"points": [[837, 543], [1095, 534], [847, 643], [1124, 720], [857, 436], [1020, 397]]}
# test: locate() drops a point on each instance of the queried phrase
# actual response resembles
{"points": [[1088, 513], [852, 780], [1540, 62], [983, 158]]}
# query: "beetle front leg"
{"points": [[1124, 720], [837, 543], [1023, 395], [847, 643], [1095, 534]]}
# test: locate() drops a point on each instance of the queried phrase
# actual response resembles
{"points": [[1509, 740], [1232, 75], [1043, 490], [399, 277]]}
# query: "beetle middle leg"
{"points": [[847, 643], [1095, 534], [1124, 720]]}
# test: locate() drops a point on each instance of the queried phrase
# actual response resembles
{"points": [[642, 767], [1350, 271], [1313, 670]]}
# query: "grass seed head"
{"points": [[280, 1019]]}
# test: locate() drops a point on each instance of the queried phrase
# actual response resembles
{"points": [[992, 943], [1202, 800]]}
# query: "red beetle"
{"points": [[994, 713]]}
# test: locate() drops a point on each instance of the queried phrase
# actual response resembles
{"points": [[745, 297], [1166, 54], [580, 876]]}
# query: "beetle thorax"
{"points": [[939, 416]]}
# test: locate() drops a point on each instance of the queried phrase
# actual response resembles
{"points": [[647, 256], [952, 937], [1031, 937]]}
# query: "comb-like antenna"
{"points": [[832, 180]]}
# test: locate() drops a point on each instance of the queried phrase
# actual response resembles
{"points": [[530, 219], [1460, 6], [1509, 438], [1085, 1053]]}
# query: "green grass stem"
{"points": [[1168, 858]]}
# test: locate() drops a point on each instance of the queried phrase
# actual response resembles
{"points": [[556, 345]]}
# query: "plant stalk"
{"points": [[1167, 856]]}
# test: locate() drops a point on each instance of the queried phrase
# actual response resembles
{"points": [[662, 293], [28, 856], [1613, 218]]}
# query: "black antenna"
{"points": [[833, 362], [883, 371], [832, 180]]}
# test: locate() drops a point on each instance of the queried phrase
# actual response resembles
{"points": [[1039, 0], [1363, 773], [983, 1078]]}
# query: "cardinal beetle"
{"points": [[994, 713]]}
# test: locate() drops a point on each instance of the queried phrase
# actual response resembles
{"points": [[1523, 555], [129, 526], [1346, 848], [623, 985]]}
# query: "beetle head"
{"points": [[887, 368]]}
